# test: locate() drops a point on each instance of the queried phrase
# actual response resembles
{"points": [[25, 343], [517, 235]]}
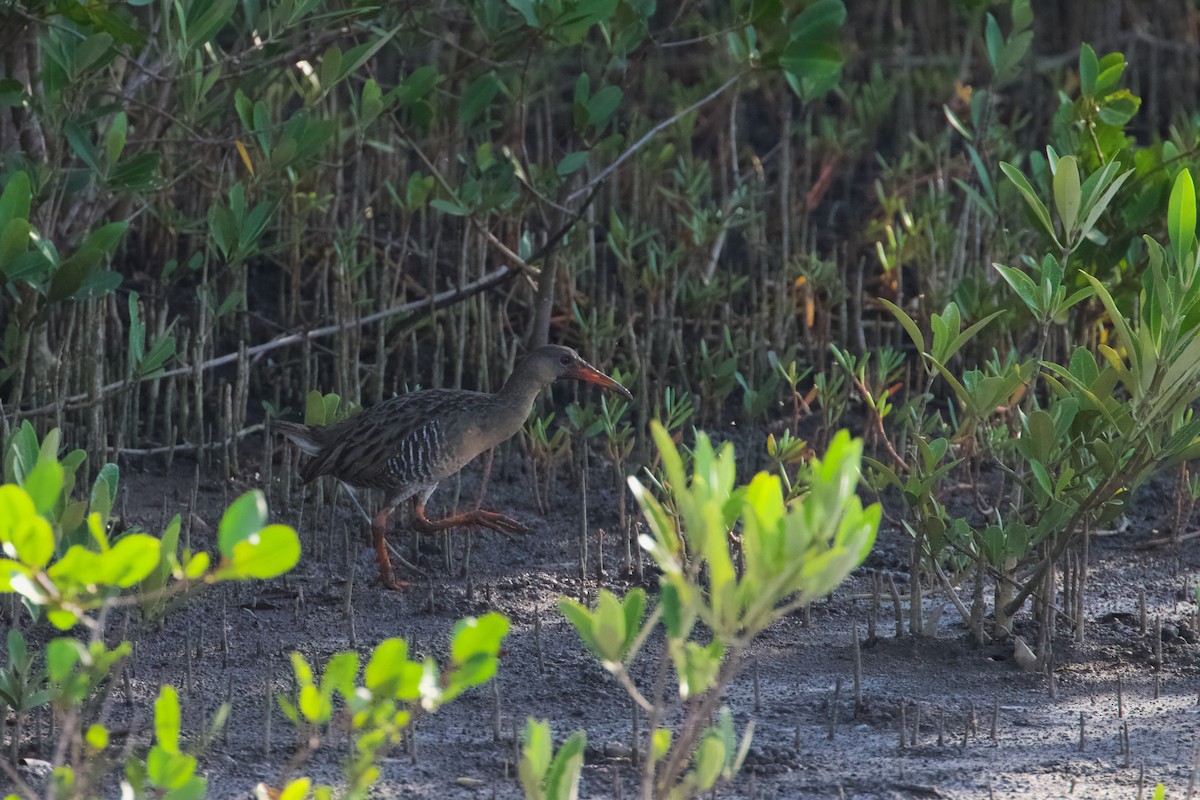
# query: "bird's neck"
{"points": [[512, 403]]}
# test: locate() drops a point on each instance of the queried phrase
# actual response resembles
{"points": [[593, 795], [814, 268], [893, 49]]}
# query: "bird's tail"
{"points": [[306, 437]]}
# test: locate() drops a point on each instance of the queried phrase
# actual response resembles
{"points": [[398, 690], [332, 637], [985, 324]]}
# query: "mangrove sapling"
{"points": [[759, 399], [1123, 443], [789, 455], [378, 711], [618, 444], [792, 376], [545, 450], [793, 553], [544, 773], [79, 583], [22, 689], [675, 409], [831, 395], [716, 376]]}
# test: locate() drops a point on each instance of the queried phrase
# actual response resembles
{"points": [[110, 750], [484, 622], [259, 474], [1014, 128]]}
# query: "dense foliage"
{"points": [[965, 230]]}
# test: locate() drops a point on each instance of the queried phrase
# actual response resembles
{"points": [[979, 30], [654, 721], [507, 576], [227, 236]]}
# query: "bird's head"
{"points": [[554, 362]]}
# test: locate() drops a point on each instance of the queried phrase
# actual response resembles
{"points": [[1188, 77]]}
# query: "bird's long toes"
{"points": [[504, 533], [390, 583], [396, 586], [509, 525]]}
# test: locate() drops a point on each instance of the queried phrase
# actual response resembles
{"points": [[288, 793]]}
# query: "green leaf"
{"points": [[1041, 435], [138, 174], [608, 626], [160, 352], [15, 199], [1041, 215], [1124, 332], [196, 566], [264, 554], [1024, 287], [661, 743], [104, 492], [90, 51], [205, 18], [965, 336], [245, 517], [340, 673], [1022, 15], [314, 409], [819, 20], [331, 67], [1043, 477], [25, 535], [447, 207], [814, 66], [907, 322], [371, 101], [1066, 193], [634, 607], [114, 140], [525, 9], [709, 759], [812, 58], [297, 789], [562, 779], [1111, 70], [44, 484], [316, 707], [477, 97], [14, 242], [129, 561], [61, 657], [602, 105], [1097, 208], [11, 571], [1089, 68], [1181, 217], [537, 748], [169, 770], [81, 143], [581, 618], [390, 673], [166, 719], [994, 40], [356, 56], [478, 636], [570, 163], [97, 737]]}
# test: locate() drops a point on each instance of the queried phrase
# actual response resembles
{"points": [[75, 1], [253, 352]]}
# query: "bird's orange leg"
{"points": [[484, 519], [487, 474], [387, 577]]}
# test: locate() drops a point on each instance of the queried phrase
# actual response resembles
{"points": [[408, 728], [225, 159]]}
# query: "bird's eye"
{"points": [[565, 360]]}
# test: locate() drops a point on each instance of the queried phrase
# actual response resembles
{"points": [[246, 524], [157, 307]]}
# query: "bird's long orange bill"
{"points": [[593, 375]]}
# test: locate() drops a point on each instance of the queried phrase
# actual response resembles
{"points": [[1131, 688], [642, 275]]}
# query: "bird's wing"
{"points": [[398, 442]]}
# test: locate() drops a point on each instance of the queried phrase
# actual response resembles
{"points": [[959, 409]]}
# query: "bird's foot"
{"points": [[499, 523], [387, 580], [491, 520]]}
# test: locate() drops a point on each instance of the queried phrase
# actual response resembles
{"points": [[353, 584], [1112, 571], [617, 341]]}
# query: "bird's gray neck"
{"points": [[511, 405]]}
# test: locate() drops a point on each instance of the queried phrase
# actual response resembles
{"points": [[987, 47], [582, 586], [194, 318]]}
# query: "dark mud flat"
{"points": [[1035, 752]]}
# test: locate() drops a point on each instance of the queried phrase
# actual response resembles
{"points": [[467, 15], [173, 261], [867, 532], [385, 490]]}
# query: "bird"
{"points": [[405, 446]]}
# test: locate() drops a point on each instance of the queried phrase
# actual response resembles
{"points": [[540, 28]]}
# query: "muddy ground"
{"points": [[241, 638]]}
